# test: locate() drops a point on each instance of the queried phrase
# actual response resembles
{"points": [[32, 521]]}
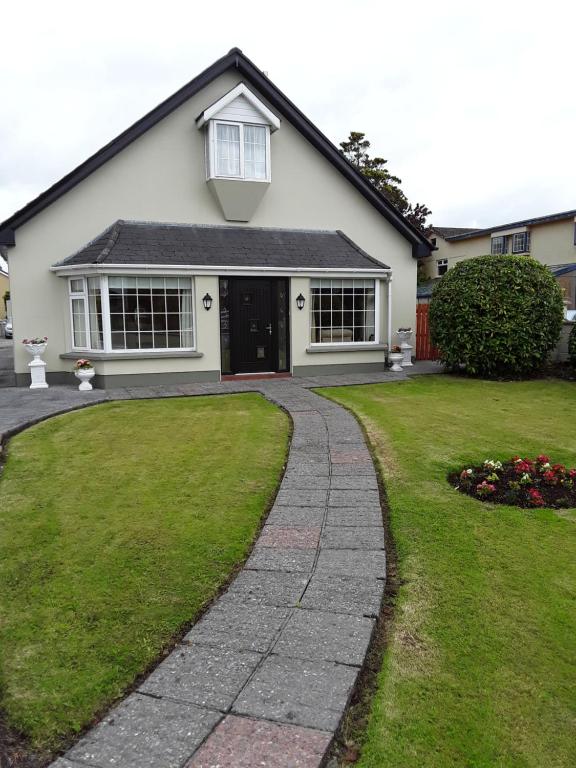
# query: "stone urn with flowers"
{"points": [[36, 346], [84, 370], [395, 358], [404, 335]]}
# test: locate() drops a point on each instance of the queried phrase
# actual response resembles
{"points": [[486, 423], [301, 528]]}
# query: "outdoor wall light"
{"points": [[207, 301], [300, 301]]}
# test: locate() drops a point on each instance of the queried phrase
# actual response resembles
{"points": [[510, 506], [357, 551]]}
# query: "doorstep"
{"points": [[254, 376]]}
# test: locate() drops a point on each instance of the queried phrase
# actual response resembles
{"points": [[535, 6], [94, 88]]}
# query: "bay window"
{"points": [[343, 311], [124, 313]]}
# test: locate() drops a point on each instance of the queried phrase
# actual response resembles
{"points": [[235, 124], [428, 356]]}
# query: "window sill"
{"points": [[359, 347], [136, 355]]}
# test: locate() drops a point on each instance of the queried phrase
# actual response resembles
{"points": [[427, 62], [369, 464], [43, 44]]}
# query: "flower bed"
{"points": [[520, 482]]}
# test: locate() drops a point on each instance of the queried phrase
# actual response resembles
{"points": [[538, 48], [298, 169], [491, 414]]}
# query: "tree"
{"points": [[355, 149]]}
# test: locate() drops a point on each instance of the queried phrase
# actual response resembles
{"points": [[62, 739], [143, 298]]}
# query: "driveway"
{"points": [[6, 363]]}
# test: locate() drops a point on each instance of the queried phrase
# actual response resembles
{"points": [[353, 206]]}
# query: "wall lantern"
{"points": [[300, 301], [207, 301]]}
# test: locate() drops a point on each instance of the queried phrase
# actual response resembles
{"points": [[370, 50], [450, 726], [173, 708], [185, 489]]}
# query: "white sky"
{"points": [[472, 103]]}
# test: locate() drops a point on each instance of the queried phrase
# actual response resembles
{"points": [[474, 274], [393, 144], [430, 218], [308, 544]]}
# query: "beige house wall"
{"points": [[161, 177], [550, 243]]}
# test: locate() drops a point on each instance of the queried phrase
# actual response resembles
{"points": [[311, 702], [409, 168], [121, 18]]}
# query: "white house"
{"points": [[220, 234]]}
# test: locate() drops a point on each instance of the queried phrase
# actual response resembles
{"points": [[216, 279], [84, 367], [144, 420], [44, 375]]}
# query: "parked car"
{"points": [[8, 330]]}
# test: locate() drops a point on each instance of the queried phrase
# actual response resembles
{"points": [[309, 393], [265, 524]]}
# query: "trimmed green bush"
{"points": [[572, 347], [496, 316]]}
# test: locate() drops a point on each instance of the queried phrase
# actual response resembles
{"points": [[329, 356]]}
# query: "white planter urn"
{"points": [[405, 337], [85, 374], [37, 366], [395, 360]]}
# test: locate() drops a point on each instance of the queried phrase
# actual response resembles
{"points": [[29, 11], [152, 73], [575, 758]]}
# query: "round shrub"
{"points": [[572, 346], [496, 316]]}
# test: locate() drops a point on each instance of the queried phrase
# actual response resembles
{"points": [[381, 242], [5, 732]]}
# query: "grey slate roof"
{"points": [[135, 242], [447, 232], [467, 233]]}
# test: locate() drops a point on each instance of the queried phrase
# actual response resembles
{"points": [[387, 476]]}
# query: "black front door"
{"points": [[253, 330], [257, 324]]}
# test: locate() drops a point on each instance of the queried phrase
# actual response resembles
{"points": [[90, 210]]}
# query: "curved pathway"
{"points": [[264, 677]]}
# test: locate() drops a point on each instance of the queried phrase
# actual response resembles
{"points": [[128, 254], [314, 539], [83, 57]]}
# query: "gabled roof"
{"points": [[236, 60], [131, 243], [512, 225], [243, 92]]}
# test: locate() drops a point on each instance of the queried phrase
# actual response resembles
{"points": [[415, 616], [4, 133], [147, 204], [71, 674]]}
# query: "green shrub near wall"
{"points": [[496, 316]]}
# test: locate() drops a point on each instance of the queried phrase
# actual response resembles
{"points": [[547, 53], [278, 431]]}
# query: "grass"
{"points": [[480, 669], [118, 523]]}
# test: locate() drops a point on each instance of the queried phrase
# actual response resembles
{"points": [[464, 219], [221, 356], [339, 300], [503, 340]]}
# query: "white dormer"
{"points": [[238, 162]]}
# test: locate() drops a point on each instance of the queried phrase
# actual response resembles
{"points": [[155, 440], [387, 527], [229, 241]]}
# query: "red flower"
{"points": [[542, 459], [536, 498], [550, 477]]}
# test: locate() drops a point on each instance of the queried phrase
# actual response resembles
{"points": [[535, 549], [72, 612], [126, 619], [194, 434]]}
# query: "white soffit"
{"points": [[240, 91]]}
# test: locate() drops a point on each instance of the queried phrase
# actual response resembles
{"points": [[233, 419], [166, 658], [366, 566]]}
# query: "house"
{"points": [[549, 239], [222, 233]]}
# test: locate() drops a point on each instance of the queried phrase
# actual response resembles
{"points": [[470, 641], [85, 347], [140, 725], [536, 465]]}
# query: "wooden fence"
{"points": [[424, 348]]}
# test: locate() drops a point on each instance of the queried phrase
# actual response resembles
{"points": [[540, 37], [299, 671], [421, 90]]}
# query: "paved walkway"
{"points": [[264, 677]]}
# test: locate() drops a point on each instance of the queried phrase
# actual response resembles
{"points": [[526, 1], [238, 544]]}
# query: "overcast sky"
{"points": [[473, 104]]}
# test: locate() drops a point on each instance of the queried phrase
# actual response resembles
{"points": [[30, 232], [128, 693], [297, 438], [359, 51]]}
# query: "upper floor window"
{"points": [[239, 151], [442, 266], [499, 244], [521, 242]]}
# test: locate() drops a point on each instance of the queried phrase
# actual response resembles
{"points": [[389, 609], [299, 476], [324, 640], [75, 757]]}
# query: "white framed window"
{"points": [[521, 242], [126, 313], [499, 245], [238, 151], [441, 266], [343, 311]]}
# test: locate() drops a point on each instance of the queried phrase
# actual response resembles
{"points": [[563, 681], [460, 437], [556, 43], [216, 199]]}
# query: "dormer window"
{"points": [[240, 151], [238, 159]]}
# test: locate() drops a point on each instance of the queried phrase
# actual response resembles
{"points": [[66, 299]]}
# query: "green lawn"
{"points": [[117, 524], [481, 666]]}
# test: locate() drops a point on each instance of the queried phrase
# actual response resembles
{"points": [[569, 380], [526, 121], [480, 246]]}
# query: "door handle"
{"points": [[269, 328]]}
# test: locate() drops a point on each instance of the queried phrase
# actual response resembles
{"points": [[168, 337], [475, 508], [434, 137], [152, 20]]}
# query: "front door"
{"points": [[256, 322]]}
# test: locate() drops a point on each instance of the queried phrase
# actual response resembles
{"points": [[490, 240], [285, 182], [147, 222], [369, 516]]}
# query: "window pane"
{"points": [[77, 286], [342, 311], [254, 152], [79, 323], [95, 313], [142, 313], [227, 150]]}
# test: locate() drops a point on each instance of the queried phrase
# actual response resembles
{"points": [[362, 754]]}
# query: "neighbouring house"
{"points": [[220, 234], [4, 290], [549, 239]]}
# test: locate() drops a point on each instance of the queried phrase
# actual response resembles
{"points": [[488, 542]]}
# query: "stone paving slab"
{"points": [[325, 637], [354, 516], [353, 498], [209, 677], [143, 732], [309, 693], [301, 498], [268, 587], [354, 483], [295, 516], [358, 596], [298, 482], [352, 537], [300, 537], [353, 470], [238, 625], [347, 562], [242, 742], [269, 559]]}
